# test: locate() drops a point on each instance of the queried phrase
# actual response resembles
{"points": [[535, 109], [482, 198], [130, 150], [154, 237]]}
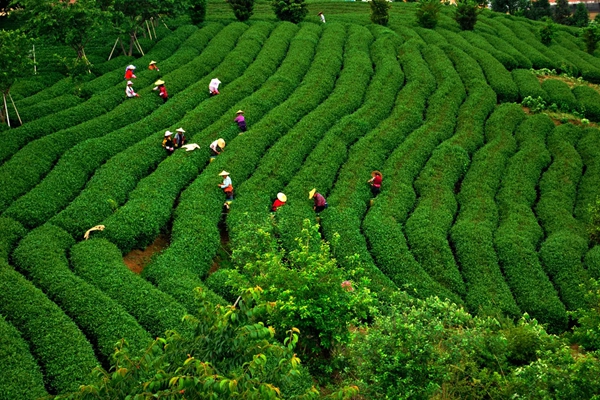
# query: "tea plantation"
{"points": [[483, 202]]}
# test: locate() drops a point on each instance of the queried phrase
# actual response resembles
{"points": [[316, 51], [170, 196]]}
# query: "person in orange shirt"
{"points": [[153, 66]]}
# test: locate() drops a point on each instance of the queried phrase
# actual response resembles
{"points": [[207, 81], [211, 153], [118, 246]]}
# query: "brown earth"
{"points": [[137, 259]]}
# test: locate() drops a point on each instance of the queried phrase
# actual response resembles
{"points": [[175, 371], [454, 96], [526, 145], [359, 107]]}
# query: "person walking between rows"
{"points": [[322, 17], [129, 72], [213, 86], [162, 90], [226, 185], [319, 201], [241, 121], [179, 139], [129, 90], [152, 66], [217, 146], [375, 182], [279, 201], [168, 143]]}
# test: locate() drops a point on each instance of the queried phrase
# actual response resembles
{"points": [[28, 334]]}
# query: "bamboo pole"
{"points": [[113, 49], [15, 107], [138, 44], [153, 27], [6, 109], [148, 28], [122, 47], [161, 20]]}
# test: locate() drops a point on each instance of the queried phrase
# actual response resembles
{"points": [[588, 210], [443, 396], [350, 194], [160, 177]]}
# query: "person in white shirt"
{"points": [[213, 86], [217, 146], [129, 90], [226, 185], [322, 17]]}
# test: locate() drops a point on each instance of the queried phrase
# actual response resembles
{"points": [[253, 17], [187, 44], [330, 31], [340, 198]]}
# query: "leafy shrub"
{"points": [[562, 12], [198, 11], [466, 14], [428, 13], [547, 32], [560, 93], [586, 331], [581, 17], [529, 85], [242, 9], [591, 36], [10, 233], [380, 11], [290, 10], [535, 105], [589, 101]]}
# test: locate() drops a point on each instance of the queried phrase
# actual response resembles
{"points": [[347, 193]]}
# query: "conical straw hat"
{"points": [[312, 193], [221, 143], [159, 82], [224, 173], [282, 197]]}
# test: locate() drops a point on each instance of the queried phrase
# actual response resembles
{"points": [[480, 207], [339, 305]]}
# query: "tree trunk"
{"points": [[131, 44]]}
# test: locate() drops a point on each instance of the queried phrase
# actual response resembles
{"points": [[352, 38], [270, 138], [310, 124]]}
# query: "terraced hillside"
{"points": [[481, 202]]}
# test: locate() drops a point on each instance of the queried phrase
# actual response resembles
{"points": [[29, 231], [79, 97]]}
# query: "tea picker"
{"points": [[129, 90], [216, 148], [241, 121], [160, 86], [213, 86], [319, 201], [226, 185], [279, 201], [129, 72], [168, 143]]}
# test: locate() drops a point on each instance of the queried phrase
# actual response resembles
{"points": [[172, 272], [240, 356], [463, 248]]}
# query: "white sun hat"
{"points": [[131, 66], [180, 130], [282, 197], [129, 83], [168, 133], [224, 173]]}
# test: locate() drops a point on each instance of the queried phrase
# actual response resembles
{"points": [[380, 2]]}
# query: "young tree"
{"points": [[466, 14], [541, 9], [70, 23], [290, 10], [562, 12], [581, 17], [591, 36], [14, 63], [198, 11], [428, 13], [547, 32], [242, 9], [380, 11], [506, 6]]}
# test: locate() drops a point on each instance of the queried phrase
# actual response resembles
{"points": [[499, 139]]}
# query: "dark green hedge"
{"points": [[588, 148], [10, 233], [42, 256], [589, 102], [21, 376], [560, 94], [528, 85], [60, 348]]}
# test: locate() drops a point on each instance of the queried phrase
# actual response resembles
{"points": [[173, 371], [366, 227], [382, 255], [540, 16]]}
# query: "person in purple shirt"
{"points": [[241, 121], [320, 202]]}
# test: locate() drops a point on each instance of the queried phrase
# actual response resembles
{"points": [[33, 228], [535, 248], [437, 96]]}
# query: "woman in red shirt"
{"points": [[160, 86], [279, 201], [129, 72], [375, 182]]}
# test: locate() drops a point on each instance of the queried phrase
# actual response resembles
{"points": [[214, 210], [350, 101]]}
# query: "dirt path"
{"points": [[136, 260]]}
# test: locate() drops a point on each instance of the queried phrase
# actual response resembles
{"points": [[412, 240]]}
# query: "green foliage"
{"points": [[22, 378], [562, 12], [290, 10], [466, 14], [593, 226], [528, 84], [560, 94], [232, 354], [242, 9], [535, 105], [547, 32], [504, 6], [591, 36], [589, 101], [10, 233], [198, 11], [428, 13], [307, 286], [541, 9], [581, 17], [14, 58], [380, 11]]}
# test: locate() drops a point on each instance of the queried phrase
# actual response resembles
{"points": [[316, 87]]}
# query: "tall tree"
{"points": [[70, 23], [380, 11], [541, 9], [290, 10], [242, 9], [562, 12], [466, 14], [14, 63], [581, 17]]}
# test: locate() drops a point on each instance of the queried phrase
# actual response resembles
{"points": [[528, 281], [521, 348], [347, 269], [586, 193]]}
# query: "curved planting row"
{"points": [[286, 156], [567, 241], [589, 101], [518, 235], [41, 255], [528, 85], [73, 170], [100, 263], [103, 102], [32, 85], [588, 148], [560, 94], [47, 149], [320, 168], [195, 234], [522, 61], [149, 207], [478, 41], [22, 378], [397, 198], [350, 195], [57, 344]]}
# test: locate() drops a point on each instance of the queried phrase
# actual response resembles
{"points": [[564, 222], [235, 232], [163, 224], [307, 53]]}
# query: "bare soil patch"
{"points": [[137, 259]]}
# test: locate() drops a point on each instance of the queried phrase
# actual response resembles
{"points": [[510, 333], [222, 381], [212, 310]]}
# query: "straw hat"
{"points": [[159, 82], [168, 133], [311, 193], [224, 173], [180, 130], [281, 197], [130, 67], [375, 173], [152, 62], [239, 112], [129, 83], [221, 143], [320, 13]]}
